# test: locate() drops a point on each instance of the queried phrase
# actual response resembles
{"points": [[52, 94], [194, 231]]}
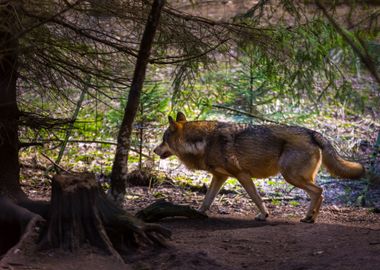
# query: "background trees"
{"points": [[63, 49]]}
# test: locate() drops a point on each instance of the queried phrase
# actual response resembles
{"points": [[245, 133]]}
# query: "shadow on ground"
{"points": [[242, 243]]}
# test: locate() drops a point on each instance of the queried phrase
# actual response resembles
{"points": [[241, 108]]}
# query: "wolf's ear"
{"points": [[180, 117], [172, 123]]}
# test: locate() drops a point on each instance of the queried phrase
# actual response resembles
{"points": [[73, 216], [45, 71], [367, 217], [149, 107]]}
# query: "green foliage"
{"points": [[154, 102], [154, 105], [294, 203], [276, 202], [310, 68]]}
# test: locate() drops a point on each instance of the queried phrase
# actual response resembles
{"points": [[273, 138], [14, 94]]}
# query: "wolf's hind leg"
{"points": [[299, 168], [247, 182], [315, 193], [216, 183]]}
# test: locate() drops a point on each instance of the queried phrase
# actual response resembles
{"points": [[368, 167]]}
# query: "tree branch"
{"points": [[244, 113], [364, 57]]}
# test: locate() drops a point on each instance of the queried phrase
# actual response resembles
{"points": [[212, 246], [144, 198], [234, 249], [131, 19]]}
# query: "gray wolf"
{"points": [[255, 151]]}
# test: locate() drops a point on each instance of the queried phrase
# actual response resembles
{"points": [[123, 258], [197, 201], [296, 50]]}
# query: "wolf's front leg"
{"points": [[250, 187], [216, 183]]}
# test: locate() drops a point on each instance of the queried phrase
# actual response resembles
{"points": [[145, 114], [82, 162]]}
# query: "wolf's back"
{"points": [[334, 163]]}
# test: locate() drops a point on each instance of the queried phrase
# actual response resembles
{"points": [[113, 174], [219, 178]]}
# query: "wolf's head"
{"points": [[165, 149]]}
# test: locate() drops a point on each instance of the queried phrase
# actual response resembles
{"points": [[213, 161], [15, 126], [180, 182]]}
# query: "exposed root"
{"points": [[162, 209]]}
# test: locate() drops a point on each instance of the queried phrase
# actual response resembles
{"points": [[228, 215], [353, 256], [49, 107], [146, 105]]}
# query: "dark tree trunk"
{"points": [[120, 164], [9, 113]]}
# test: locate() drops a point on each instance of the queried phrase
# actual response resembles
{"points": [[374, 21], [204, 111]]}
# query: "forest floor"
{"points": [[345, 236], [344, 239]]}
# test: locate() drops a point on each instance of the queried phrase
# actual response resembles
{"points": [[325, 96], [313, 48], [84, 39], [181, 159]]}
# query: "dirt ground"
{"points": [[347, 241], [343, 238]]}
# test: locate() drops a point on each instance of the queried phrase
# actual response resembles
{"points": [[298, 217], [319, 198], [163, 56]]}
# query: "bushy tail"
{"points": [[335, 164]]}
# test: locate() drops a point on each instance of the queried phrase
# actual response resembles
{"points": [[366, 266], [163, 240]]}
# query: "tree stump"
{"points": [[81, 214], [74, 219]]}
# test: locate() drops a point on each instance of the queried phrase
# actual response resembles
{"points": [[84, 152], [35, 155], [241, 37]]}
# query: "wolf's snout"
{"points": [[159, 150], [163, 151]]}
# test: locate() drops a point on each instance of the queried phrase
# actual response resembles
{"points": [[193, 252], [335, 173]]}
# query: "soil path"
{"points": [[238, 242]]}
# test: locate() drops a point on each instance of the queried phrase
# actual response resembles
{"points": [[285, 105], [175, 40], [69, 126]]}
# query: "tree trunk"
{"points": [[120, 164], [9, 113]]}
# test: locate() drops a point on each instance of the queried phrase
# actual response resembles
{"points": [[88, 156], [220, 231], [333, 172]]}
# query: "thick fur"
{"points": [[336, 165], [255, 151]]}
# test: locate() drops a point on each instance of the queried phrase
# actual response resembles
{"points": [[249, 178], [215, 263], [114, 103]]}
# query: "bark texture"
{"points": [[120, 164], [9, 113]]}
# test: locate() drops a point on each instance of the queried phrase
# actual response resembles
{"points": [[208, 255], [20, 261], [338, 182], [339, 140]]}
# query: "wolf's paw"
{"points": [[200, 214], [261, 217], [202, 210], [308, 219]]}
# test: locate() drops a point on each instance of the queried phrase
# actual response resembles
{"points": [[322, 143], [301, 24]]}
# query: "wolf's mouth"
{"points": [[165, 155]]}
